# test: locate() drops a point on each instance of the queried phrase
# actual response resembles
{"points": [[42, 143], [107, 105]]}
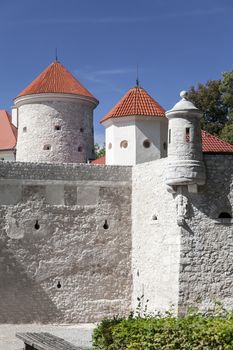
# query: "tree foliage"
{"points": [[226, 89], [227, 132], [208, 98], [99, 150], [193, 331], [215, 100]]}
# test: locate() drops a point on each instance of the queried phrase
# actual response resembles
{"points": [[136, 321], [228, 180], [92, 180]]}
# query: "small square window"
{"points": [[187, 134], [57, 127], [24, 129], [47, 147]]}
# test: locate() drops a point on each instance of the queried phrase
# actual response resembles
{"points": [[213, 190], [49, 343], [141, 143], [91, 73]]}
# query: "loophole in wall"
{"points": [[105, 226], [58, 284], [37, 226]]}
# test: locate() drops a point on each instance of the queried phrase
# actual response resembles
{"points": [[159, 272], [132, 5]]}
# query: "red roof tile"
{"points": [[135, 102], [100, 160], [213, 144], [56, 79], [8, 132]]}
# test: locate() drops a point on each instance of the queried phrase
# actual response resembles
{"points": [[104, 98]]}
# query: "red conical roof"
{"points": [[135, 102], [56, 79]]}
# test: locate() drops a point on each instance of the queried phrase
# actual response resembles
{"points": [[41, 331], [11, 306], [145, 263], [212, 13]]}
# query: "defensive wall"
{"points": [[75, 246], [65, 242]]}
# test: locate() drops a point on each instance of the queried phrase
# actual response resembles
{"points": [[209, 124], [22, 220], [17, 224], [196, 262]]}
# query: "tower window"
{"points": [[124, 144], [57, 127], [187, 134], [169, 136], [110, 145], [224, 215], [80, 148], [47, 147], [24, 129], [146, 143], [81, 129]]}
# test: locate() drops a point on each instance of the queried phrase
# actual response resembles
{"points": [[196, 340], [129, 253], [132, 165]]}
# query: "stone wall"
{"points": [[206, 269], [155, 239], [65, 242]]}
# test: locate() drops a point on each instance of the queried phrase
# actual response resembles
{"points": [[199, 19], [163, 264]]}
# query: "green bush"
{"points": [[191, 332]]}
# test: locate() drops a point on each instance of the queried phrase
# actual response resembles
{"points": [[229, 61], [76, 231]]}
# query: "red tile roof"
{"points": [[135, 102], [100, 160], [56, 79], [8, 132], [212, 144]]}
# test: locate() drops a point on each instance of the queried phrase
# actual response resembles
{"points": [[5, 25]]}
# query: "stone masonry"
{"points": [[206, 271], [65, 242], [55, 131], [72, 250]]}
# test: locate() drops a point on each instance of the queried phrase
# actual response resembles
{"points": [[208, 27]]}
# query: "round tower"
{"points": [[136, 129], [185, 164], [55, 119]]}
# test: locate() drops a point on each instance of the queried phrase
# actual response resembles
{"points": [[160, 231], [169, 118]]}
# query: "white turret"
{"points": [[55, 119], [136, 130], [185, 164]]}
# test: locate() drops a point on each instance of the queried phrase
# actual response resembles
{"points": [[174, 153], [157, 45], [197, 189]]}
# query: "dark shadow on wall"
{"points": [[22, 300], [213, 197]]}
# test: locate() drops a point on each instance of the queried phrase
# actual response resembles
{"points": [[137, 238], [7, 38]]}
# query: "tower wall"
{"points": [[55, 129], [185, 165], [120, 142], [136, 131]]}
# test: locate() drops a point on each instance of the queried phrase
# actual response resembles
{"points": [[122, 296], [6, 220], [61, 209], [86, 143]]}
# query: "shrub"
{"points": [[191, 332]]}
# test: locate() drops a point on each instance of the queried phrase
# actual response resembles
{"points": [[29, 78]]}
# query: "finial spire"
{"points": [[56, 59], [137, 79], [183, 94]]}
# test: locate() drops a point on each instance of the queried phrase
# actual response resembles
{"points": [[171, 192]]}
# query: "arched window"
{"points": [[224, 215], [80, 148]]}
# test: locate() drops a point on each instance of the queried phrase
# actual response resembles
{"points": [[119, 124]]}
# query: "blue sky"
{"points": [[175, 43]]}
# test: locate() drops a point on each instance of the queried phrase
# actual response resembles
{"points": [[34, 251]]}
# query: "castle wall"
{"points": [[155, 239], [65, 242], [206, 271]]}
